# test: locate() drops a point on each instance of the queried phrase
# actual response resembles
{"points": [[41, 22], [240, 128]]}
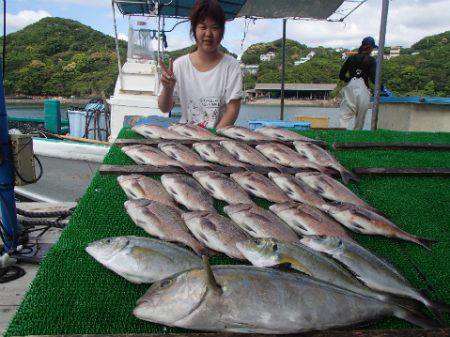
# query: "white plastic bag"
{"points": [[355, 102]]}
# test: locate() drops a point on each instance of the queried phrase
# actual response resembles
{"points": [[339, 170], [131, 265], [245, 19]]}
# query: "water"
{"points": [[247, 112]]}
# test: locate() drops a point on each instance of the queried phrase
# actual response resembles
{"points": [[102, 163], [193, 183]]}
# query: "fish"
{"points": [[216, 232], [283, 134], [183, 154], [259, 222], [142, 260], [365, 221], [138, 186], [283, 155], [248, 299], [153, 131], [271, 252], [222, 188], [214, 153], [162, 221], [148, 155], [188, 192], [324, 158], [260, 186], [296, 189], [241, 133], [375, 272], [194, 132], [307, 220], [331, 189], [248, 154]]}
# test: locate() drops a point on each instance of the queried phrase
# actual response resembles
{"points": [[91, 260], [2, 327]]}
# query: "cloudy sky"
{"points": [[408, 21]]}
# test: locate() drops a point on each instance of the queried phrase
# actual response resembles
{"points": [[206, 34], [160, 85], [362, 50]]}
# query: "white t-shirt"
{"points": [[203, 95]]}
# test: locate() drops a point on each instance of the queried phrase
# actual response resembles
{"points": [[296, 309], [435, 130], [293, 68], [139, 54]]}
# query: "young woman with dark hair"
{"points": [[207, 82]]}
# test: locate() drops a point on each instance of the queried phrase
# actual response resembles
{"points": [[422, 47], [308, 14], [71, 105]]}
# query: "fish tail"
{"points": [[348, 176], [435, 307], [415, 317], [425, 242]]}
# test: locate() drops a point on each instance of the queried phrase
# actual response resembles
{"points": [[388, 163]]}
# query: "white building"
{"points": [[305, 59], [268, 56], [394, 52], [251, 69]]}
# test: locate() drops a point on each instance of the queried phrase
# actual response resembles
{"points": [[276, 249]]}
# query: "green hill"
{"points": [[423, 69], [60, 57]]}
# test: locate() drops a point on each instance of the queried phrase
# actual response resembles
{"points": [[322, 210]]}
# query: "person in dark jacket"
{"points": [[357, 71]]}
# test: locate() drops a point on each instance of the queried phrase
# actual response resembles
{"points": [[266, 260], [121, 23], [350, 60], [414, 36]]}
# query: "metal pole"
{"points": [[283, 64], [7, 200], [119, 63], [379, 71]]}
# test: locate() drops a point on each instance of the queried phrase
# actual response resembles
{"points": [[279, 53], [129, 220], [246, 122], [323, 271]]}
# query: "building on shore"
{"points": [[304, 91]]}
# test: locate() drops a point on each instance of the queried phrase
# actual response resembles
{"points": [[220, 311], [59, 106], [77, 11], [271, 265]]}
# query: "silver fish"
{"points": [[324, 158], [137, 186], [296, 189], [373, 271], [182, 153], [259, 185], [142, 260], [362, 220], [283, 155], [216, 232], [148, 155], [330, 188], [283, 134], [194, 132], [248, 299], [162, 221], [222, 188], [247, 154], [259, 222], [214, 153], [241, 133], [307, 220], [271, 252], [188, 192], [153, 131]]}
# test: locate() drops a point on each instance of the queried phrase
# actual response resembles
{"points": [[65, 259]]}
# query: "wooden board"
{"points": [[124, 142], [393, 146], [150, 169], [444, 172], [351, 333]]}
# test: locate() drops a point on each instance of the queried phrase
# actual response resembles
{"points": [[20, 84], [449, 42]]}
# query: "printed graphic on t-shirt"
{"points": [[205, 112]]}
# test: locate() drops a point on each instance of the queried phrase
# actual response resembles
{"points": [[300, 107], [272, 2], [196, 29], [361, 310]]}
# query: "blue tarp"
{"points": [[317, 9]]}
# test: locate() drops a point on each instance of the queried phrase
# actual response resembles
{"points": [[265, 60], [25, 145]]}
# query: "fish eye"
{"points": [[166, 283], [108, 240], [275, 247]]}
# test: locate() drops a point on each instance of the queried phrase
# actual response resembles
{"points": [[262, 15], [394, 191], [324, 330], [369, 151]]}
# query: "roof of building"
{"points": [[297, 86]]}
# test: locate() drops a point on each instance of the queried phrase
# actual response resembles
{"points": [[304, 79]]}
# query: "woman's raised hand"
{"points": [[167, 78]]}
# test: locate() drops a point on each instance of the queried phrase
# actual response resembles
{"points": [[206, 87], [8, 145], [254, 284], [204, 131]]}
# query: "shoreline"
{"points": [[331, 103]]}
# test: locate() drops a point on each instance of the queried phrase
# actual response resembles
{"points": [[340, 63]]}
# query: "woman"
{"points": [[361, 69], [207, 82]]}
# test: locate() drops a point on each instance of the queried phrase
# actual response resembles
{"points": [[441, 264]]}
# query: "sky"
{"points": [[408, 22]]}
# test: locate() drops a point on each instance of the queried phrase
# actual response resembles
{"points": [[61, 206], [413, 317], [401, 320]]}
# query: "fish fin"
{"points": [[348, 176], [415, 317], [295, 264], [426, 243], [210, 279], [436, 308]]}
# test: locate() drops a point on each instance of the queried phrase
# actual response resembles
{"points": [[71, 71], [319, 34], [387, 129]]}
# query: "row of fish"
{"points": [[195, 132], [306, 155], [234, 298], [311, 213]]}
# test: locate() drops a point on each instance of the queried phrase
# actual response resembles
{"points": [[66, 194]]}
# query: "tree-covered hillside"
{"points": [[60, 57], [423, 69]]}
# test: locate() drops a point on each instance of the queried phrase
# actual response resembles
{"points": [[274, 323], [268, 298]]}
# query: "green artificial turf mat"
{"points": [[73, 294]]}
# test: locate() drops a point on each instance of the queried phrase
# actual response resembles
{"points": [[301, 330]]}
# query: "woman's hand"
{"points": [[167, 78]]}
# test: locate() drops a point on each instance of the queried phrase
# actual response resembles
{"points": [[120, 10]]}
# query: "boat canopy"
{"points": [[270, 9]]}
